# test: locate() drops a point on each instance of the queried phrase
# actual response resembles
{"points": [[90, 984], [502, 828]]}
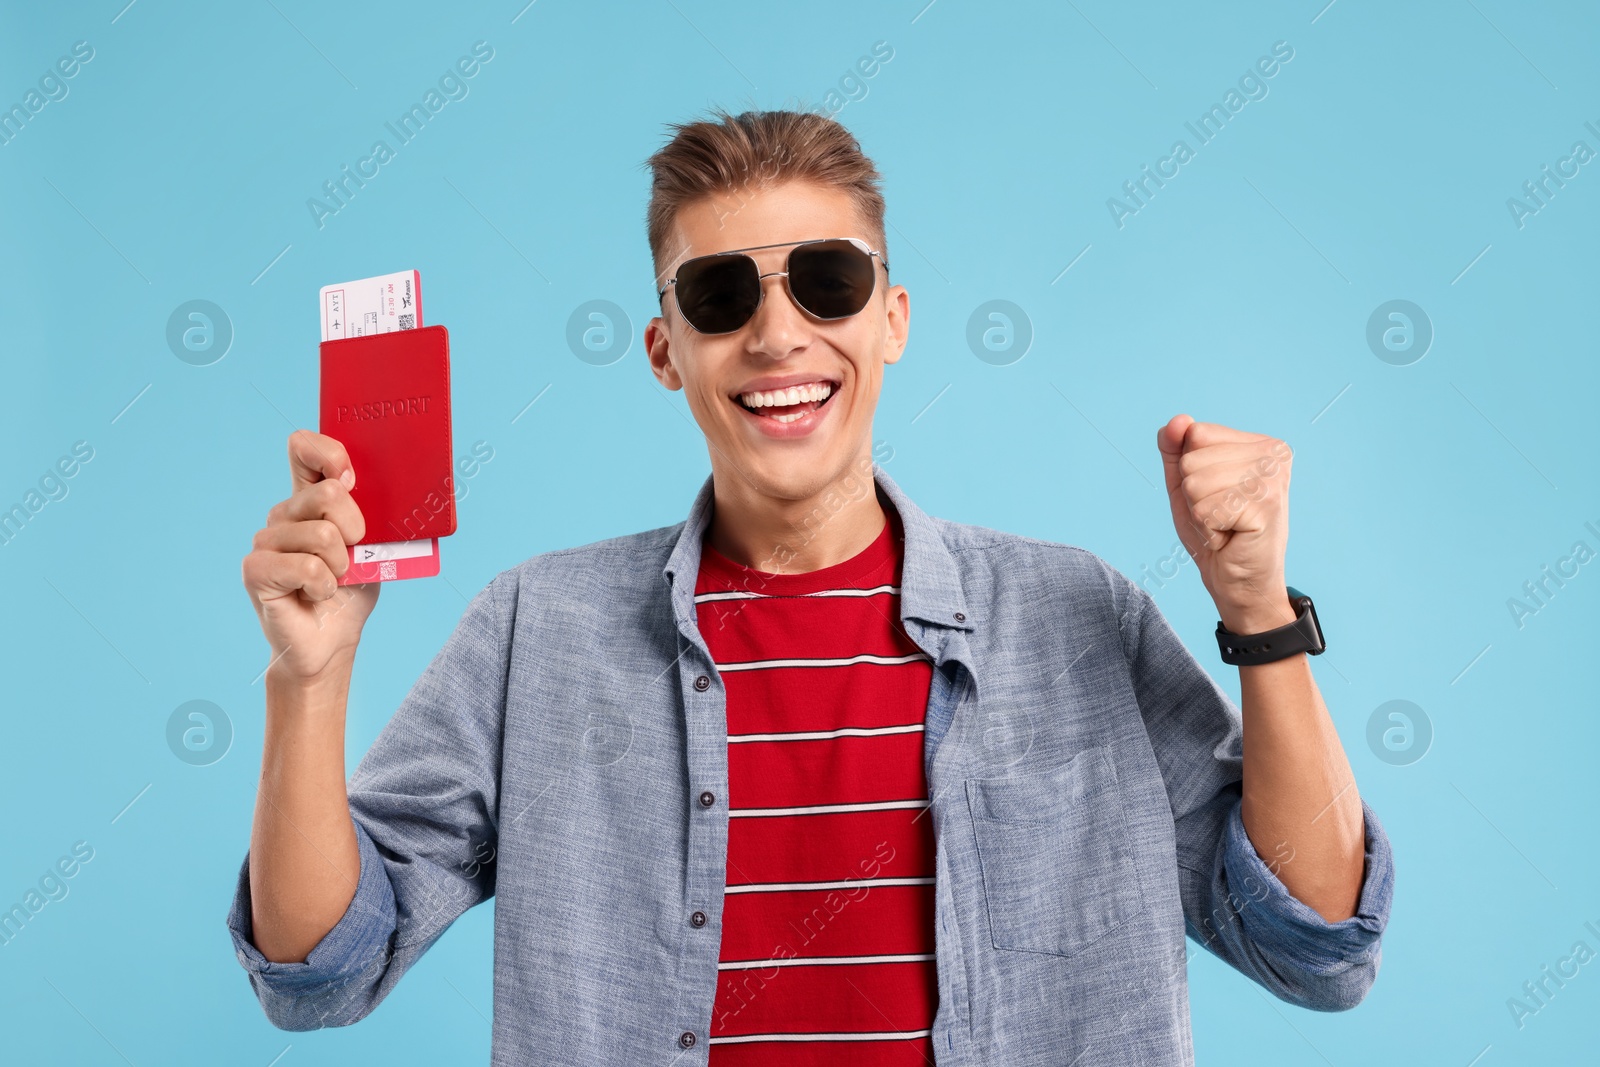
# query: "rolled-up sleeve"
{"points": [[305, 995], [1234, 904], [1317, 964], [424, 802]]}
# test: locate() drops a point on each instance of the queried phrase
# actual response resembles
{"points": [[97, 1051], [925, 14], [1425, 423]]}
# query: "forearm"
{"points": [[304, 862], [1301, 809], [1229, 493]]}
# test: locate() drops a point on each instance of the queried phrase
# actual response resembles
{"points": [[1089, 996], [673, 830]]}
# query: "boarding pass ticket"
{"points": [[383, 304]]}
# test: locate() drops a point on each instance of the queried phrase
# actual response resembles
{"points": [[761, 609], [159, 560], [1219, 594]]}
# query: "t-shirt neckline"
{"points": [[884, 549]]}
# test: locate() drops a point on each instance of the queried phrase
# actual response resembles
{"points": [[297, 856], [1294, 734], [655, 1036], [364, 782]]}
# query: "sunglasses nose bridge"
{"points": [[761, 308], [761, 284]]}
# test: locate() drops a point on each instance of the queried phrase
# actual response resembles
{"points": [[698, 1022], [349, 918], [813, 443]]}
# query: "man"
{"points": [[810, 777]]}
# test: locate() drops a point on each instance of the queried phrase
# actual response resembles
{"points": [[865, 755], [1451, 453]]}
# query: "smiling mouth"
{"points": [[781, 412]]}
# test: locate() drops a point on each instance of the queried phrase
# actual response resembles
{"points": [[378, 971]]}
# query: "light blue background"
{"points": [[1377, 168]]}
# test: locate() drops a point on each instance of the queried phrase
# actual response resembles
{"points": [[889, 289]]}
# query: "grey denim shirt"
{"points": [[566, 753]]}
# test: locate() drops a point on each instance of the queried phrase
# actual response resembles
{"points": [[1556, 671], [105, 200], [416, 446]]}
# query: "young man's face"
{"points": [[780, 345]]}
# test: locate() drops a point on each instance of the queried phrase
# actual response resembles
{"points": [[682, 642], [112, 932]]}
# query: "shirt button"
{"points": [[961, 616], [698, 918], [707, 799], [686, 1039], [702, 683]]}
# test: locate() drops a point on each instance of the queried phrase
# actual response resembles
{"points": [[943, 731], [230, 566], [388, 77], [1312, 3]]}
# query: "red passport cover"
{"points": [[386, 398]]}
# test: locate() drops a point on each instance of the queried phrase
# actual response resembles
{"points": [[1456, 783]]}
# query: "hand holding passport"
{"points": [[371, 494]]}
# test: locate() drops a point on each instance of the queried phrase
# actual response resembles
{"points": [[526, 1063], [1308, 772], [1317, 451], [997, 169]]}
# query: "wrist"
{"points": [[327, 689], [1256, 615]]}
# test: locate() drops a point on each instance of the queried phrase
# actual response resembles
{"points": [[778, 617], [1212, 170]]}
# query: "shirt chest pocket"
{"points": [[1058, 869]]}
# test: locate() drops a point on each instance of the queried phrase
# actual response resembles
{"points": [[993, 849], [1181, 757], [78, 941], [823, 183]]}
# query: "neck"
{"points": [[793, 536]]}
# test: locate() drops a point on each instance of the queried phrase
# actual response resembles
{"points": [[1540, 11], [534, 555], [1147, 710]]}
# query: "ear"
{"points": [[897, 317], [657, 346]]}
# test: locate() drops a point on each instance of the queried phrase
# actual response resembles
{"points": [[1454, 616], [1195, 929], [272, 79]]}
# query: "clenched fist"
{"points": [[1229, 492]]}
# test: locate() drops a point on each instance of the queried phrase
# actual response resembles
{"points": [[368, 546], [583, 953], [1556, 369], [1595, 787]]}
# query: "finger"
{"points": [[1229, 510], [1204, 434], [272, 575], [315, 456], [1243, 480], [317, 537], [1225, 483], [322, 500], [1249, 457]]}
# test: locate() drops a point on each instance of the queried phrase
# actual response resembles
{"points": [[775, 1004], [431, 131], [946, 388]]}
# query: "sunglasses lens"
{"points": [[831, 279], [718, 294]]}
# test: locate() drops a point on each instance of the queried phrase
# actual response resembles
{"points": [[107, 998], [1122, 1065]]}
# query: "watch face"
{"points": [[1316, 624]]}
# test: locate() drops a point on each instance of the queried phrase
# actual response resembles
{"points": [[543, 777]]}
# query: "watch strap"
{"points": [[1304, 634]]}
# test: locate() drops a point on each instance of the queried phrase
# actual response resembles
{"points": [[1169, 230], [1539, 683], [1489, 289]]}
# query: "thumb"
{"points": [[1170, 440]]}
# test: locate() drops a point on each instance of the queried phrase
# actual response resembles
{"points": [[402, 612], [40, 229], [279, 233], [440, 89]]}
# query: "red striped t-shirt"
{"points": [[827, 940]]}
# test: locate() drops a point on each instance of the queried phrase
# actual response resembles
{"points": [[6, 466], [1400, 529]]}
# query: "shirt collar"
{"points": [[930, 584]]}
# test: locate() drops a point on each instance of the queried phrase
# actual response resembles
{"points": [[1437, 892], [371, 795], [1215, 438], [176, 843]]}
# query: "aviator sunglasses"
{"points": [[830, 278]]}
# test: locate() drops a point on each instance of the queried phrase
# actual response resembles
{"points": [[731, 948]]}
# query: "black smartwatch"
{"points": [[1251, 650]]}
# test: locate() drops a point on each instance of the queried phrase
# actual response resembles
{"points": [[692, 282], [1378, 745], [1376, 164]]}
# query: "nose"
{"points": [[778, 326]]}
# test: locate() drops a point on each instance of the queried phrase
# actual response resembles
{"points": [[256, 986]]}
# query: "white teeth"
{"points": [[800, 394]]}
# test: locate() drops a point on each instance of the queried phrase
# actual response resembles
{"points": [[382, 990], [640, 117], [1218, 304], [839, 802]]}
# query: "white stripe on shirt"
{"points": [[842, 883], [819, 961], [765, 664], [742, 594], [818, 735], [892, 1035], [825, 809]]}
